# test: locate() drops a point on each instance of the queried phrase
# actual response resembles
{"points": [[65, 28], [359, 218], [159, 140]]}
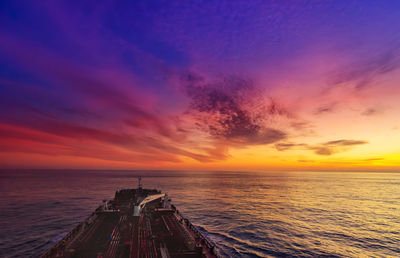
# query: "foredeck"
{"points": [[114, 230]]}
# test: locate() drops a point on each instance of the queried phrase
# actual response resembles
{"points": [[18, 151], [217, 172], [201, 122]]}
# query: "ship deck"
{"points": [[116, 229]]}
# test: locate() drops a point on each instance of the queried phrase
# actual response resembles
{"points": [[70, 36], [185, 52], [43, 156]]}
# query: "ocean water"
{"points": [[272, 214]]}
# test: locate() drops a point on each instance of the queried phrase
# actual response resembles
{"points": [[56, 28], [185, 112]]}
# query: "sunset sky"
{"points": [[263, 85]]}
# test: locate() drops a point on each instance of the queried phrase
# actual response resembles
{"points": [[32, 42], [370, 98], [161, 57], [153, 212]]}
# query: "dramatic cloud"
{"points": [[231, 109], [200, 84]]}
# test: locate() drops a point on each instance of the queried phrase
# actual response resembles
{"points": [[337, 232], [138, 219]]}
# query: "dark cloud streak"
{"points": [[364, 72], [324, 149]]}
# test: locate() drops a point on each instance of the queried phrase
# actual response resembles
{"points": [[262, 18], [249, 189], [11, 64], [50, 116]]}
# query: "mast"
{"points": [[140, 183]]}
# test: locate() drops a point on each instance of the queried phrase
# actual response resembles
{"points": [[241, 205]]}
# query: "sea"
{"points": [[246, 214]]}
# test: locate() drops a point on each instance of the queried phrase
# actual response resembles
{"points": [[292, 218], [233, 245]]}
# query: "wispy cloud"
{"points": [[287, 146], [363, 72], [324, 149], [343, 143], [373, 159], [326, 108]]}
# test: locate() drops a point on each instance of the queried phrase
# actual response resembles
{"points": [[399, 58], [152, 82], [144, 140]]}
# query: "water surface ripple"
{"points": [[280, 214]]}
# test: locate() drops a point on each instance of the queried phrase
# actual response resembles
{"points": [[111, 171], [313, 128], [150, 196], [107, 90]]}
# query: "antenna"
{"points": [[140, 182]]}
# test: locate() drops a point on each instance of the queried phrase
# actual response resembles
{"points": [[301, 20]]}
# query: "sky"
{"points": [[221, 85]]}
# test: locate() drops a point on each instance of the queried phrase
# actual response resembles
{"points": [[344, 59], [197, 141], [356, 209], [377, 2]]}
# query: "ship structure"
{"points": [[136, 223]]}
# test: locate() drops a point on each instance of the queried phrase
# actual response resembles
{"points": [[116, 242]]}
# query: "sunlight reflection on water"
{"points": [[246, 214]]}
